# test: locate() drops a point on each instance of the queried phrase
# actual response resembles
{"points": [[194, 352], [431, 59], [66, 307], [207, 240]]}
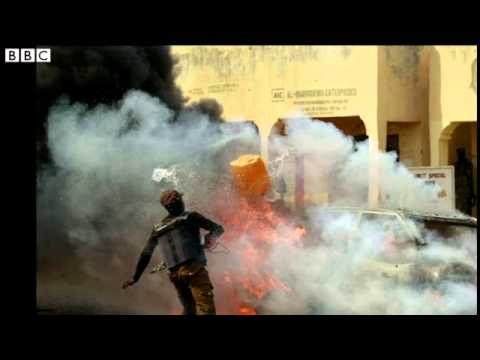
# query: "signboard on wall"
{"points": [[443, 176], [321, 102]]}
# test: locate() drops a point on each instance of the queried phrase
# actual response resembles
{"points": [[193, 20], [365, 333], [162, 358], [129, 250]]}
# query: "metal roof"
{"points": [[453, 217]]}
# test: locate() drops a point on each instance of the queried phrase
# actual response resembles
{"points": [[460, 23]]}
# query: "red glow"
{"points": [[246, 310], [252, 228]]}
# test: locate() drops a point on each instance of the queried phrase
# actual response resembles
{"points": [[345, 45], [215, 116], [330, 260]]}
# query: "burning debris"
{"points": [[253, 229], [250, 175]]}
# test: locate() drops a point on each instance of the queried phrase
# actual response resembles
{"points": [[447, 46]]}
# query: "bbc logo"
{"points": [[16, 55]]}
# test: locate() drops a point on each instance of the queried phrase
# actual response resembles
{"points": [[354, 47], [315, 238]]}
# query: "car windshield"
{"points": [[333, 226], [387, 237]]}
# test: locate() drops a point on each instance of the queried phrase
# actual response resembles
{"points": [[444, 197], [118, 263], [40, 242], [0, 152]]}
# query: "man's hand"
{"points": [[128, 283], [209, 241]]}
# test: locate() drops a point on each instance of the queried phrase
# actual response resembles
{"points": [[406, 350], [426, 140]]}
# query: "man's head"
{"points": [[173, 202], [461, 153]]}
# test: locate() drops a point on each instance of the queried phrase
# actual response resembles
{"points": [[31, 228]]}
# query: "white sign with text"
{"points": [[443, 176]]}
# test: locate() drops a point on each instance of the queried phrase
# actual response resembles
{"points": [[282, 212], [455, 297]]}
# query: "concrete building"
{"points": [[419, 101]]}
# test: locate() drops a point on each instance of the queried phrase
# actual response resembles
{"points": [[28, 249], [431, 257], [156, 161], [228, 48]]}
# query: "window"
{"points": [[393, 144], [387, 236]]}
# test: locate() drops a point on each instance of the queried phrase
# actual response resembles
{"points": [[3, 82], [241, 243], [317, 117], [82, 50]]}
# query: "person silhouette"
{"points": [[465, 198]]}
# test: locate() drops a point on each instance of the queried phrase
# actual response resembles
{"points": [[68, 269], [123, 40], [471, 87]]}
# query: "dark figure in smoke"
{"points": [[464, 192], [179, 237]]}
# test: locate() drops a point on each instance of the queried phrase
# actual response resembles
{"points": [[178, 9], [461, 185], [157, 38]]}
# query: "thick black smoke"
{"points": [[102, 75]]}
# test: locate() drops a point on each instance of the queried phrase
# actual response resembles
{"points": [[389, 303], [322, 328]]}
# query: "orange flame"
{"points": [[253, 227], [246, 310]]}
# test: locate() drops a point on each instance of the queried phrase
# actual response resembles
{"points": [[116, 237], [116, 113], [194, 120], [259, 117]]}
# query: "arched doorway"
{"points": [[460, 135], [350, 125], [293, 181]]}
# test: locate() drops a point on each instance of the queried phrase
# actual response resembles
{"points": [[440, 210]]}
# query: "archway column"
{"points": [[377, 135], [474, 161], [264, 129], [443, 148], [439, 144]]}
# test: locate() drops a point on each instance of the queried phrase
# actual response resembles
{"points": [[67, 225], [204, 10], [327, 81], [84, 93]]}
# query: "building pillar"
{"points": [[374, 174], [377, 139], [443, 149], [264, 131], [439, 143], [474, 162]]}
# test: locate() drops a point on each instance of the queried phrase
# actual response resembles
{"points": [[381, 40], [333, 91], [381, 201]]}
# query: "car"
{"points": [[347, 231], [406, 244]]}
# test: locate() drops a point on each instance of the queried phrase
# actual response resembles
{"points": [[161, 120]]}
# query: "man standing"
{"points": [[179, 238], [464, 191]]}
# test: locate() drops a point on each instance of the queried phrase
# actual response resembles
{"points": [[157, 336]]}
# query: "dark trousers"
{"points": [[194, 288]]}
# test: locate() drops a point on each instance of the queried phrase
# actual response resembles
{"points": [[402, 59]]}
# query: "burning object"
{"points": [[253, 229], [250, 175]]}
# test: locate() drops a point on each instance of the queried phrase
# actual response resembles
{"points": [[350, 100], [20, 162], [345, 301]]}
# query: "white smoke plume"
{"points": [[348, 271], [97, 205], [95, 209], [169, 175], [331, 157], [329, 277]]}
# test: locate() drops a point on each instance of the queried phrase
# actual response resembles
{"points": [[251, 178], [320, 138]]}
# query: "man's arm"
{"points": [[144, 259], [215, 230]]}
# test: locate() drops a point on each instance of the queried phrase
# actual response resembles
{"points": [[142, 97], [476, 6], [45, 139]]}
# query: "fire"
{"points": [[246, 310], [300, 232], [253, 228]]}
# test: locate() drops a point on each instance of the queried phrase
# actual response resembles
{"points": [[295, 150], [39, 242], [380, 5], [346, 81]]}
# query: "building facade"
{"points": [[419, 101]]}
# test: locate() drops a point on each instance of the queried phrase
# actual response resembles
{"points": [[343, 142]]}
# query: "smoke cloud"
{"points": [[97, 205], [343, 270], [330, 277], [114, 149]]}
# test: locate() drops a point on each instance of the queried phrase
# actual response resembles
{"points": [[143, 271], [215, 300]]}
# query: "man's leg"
{"points": [[202, 291], [184, 294]]}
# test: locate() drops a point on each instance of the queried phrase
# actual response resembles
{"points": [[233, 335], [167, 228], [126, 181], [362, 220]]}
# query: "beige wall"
{"points": [[430, 85], [453, 96], [420, 92], [410, 138], [403, 83], [265, 83], [403, 98]]}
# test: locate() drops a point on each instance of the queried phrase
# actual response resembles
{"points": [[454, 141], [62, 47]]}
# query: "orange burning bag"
{"points": [[250, 175]]}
